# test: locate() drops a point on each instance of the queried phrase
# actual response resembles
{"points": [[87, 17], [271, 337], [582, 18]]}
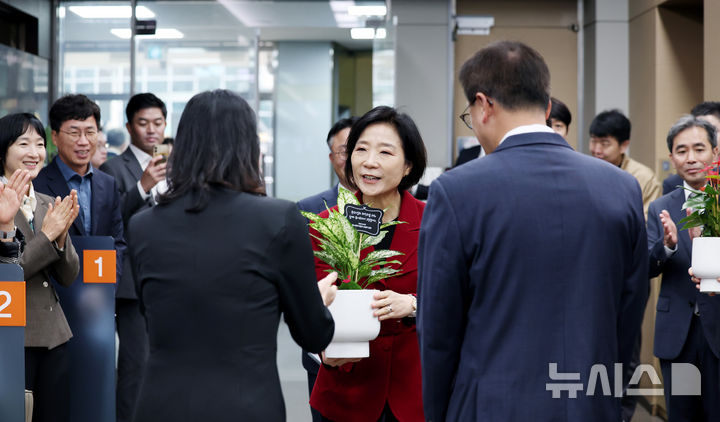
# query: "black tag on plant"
{"points": [[365, 219]]}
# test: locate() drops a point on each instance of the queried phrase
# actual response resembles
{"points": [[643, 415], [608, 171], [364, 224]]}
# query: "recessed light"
{"points": [[367, 10], [362, 33], [160, 33], [111, 12]]}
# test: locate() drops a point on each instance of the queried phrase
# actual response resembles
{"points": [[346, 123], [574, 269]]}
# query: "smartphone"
{"points": [[162, 150]]}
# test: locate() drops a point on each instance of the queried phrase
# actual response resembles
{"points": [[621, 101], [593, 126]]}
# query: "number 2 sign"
{"points": [[12, 303], [99, 266]]}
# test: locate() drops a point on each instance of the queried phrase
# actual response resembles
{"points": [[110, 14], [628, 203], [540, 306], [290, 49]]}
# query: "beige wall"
{"points": [[354, 85], [711, 31], [666, 78], [518, 20], [363, 83]]}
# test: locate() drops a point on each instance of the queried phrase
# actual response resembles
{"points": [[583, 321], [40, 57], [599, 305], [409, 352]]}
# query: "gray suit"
{"points": [[46, 323]]}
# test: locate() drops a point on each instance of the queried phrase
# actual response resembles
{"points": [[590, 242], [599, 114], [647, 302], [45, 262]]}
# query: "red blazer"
{"points": [[358, 392]]}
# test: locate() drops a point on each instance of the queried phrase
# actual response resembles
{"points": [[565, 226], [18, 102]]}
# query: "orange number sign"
{"points": [[99, 266], [12, 303]]}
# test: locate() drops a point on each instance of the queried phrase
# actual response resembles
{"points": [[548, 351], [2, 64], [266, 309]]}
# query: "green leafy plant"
{"points": [[705, 204], [342, 245]]}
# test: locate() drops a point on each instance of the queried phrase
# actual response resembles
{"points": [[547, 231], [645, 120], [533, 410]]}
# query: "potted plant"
{"points": [[705, 206], [344, 240]]}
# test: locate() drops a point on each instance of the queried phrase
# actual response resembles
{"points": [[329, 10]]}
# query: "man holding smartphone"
{"points": [[137, 173]]}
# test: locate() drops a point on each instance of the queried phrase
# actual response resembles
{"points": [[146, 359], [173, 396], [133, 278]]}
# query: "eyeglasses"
{"points": [[342, 154], [91, 135], [465, 116]]}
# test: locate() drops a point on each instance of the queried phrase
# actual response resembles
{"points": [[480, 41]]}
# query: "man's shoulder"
{"points": [[316, 203], [113, 163], [639, 170], [665, 200], [101, 176]]}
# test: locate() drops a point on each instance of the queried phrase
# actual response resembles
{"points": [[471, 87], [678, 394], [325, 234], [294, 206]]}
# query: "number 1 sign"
{"points": [[99, 266]]}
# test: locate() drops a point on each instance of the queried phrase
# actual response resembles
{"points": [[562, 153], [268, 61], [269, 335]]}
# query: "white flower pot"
{"points": [[355, 324], [706, 263]]}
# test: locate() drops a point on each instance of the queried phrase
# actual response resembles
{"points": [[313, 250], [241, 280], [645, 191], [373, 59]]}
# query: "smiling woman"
{"points": [[48, 251], [386, 157]]}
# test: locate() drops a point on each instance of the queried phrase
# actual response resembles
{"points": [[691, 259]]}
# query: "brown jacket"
{"points": [[46, 324], [651, 188]]}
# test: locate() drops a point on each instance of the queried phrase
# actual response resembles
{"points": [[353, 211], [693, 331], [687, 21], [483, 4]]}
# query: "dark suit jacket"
{"points": [[316, 203], [213, 285], [104, 210], [525, 260], [126, 170], [678, 294], [671, 183], [46, 323], [467, 155], [359, 391]]}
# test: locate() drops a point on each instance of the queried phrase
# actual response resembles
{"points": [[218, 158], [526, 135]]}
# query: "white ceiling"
{"points": [[225, 21]]}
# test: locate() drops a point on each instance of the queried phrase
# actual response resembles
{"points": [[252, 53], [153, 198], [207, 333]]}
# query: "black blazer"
{"points": [[104, 209], [212, 286], [126, 170]]}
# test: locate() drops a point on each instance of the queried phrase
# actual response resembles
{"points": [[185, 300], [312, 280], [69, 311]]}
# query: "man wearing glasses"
{"points": [[74, 120], [529, 270]]}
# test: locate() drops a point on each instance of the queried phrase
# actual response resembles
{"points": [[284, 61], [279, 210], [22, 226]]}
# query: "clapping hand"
{"points": [[59, 218], [11, 197]]}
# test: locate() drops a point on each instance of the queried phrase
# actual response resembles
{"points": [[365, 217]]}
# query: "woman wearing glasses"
{"points": [[48, 253], [386, 157]]}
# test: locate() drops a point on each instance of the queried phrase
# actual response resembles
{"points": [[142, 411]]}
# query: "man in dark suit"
{"points": [[137, 174], [98, 195], [527, 265], [74, 120], [687, 324], [709, 111], [336, 142]]}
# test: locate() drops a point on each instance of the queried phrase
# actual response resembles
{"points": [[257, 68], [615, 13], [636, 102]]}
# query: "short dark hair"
{"points": [[338, 126], [225, 153], [14, 126], [689, 121], [706, 108], [559, 111], [512, 73], [611, 123], [73, 107], [412, 143], [142, 101]]}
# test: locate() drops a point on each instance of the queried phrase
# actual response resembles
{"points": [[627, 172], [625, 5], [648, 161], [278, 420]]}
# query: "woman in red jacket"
{"points": [[386, 156]]}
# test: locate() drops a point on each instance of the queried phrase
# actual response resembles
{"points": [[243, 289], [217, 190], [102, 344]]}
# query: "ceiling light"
{"points": [[340, 6], [367, 10], [111, 12], [362, 33], [160, 33], [380, 33]]}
